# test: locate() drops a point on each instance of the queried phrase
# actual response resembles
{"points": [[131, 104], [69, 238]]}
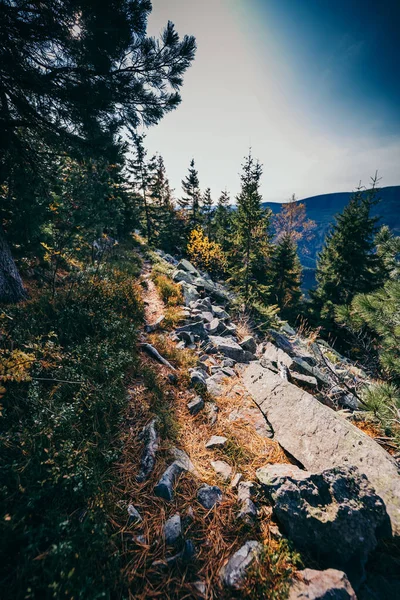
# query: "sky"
{"points": [[313, 86]]}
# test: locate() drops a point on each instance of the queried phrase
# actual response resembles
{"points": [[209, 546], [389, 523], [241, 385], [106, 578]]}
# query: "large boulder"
{"points": [[335, 516], [320, 438], [321, 585], [190, 294], [185, 265], [195, 328], [180, 275], [230, 348]]}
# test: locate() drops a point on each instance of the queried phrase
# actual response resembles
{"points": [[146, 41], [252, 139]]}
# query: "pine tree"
{"points": [[141, 176], [251, 242], [191, 202], [207, 212], [347, 264], [285, 277], [222, 222]]}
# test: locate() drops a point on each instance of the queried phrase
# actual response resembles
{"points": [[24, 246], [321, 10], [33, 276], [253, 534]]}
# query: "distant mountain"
{"points": [[322, 209]]}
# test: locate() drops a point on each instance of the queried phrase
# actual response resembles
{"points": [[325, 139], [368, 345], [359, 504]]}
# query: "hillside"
{"points": [[323, 208]]}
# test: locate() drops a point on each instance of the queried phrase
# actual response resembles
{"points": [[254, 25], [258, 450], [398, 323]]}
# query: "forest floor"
{"points": [[215, 533]]}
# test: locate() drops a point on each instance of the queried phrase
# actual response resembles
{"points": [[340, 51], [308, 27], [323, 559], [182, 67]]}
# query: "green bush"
{"points": [[58, 442]]}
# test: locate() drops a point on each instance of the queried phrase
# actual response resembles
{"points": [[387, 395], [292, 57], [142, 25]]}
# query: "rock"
{"points": [[216, 441], [172, 378], [249, 344], [212, 412], [236, 480], [287, 329], [302, 366], [165, 486], [155, 354], [202, 283], [273, 475], [184, 556], [207, 316], [229, 348], [334, 516], [228, 362], [215, 383], [181, 345], [147, 462], [266, 363], [203, 304], [234, 572], [198, 378], [228, 371], [173, 530], [209, 496], [306, 381], [220, 313], [248, 510], [222, 469], [186, 337], [321, 585], [154, 326], [183, 460], [180, 275], [281, 341], [134, 515], [320, 438], [195, 405], [276, 355], [229, 329], [246, 490], [213, 326], [195, 328], [200, 587], [170, 259], [190, 294], [187, 266]]}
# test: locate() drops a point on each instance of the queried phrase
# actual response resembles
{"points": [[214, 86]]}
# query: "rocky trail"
{"points": [[232, 445]]}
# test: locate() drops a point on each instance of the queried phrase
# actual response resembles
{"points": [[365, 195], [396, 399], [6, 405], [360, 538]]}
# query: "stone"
{"points": [[246, 490], [209, 496], [281, 341], [172, 378], [320, 438], [222, 469], [248, 510], [266, 363], [165, 486], [170, 259], [287, 329], [184, 556], [190, 294], [186, 337], [207, 316], [228, 348], [202, 283], [215, 383], [276, 355], [202, 304], [134, 515], [335, 516], [234, 572], [236, 480], [220, 313], [187, 266], [183, 460], [181, 345], [195, 405], [153, 352], [213, 326], [212, 412], [197, 378], [200, 587], [216, 441], [321, 585], [271, 475], [195, 328], [180, 275], [229, 329], [173, 530], [302, 366], [154, 326], [228, 362], [249, 344], [148, 459], [228, 371], [306, 381]]}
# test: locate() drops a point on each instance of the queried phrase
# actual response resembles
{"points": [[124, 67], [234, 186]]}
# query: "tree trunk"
{"points": [[11, 286]]}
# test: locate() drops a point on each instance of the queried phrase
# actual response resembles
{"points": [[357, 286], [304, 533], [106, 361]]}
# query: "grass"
{"points": [[169, 291]]}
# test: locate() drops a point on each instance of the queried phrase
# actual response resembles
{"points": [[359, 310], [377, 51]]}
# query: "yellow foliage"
{"points": [[14, 366], [205, 254]]}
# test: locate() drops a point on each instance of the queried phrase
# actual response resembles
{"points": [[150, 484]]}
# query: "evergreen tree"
{"points": [[347, 264], [207, 212], [222, 222], [191, 200], [141, 176], [285, 277], [167, 225], [251, 242]]}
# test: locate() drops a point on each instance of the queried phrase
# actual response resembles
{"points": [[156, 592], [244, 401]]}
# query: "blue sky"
{"points": [[312, 85]]}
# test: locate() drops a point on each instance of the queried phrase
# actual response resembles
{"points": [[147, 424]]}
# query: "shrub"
{"points": [[170, 292], [205, 254]]}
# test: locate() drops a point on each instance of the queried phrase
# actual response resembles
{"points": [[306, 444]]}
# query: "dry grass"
{"points": [[243, 327], [180, 359]]}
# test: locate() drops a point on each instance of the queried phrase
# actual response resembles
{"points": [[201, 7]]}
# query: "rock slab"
{"points": [[320, 438], [321, 585], [234, 572]]}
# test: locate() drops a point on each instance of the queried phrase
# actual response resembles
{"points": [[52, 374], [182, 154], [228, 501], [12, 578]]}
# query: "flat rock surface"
{"points": [[321, 585], [320, 438]]}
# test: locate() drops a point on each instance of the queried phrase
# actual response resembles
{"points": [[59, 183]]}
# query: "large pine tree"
{"points": [[141, 176], [191, 201], [222, 222], [285, 277], [251, 241]]}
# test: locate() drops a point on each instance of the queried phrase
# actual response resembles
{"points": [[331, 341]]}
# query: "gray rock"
{"points": [[306, 381], [234, 572], [186, 337], [170, 259], [215, 383], [266, 363], [184, 556], [165, 486], [207, 316], [187, 266], [275, 355], [281, 341], [321, 585], [203, 304], [198, 378], [236, 480], [183, 460], [335, 516], [275, 475], [147, 462], [212, 412], [249, 344], [287, 329], [222, 469], [190, 294], [229, 348], [195, 405], [216, 441], [153, 352], [149, 328], [229, 329], [228, 371], [173, 530], [202, 283], [180, 275], [320, 438], [248, 510], [209, 496], [195, 328], [172, 378], [134, 515], [246, 490], [219, 312], [304, 367], [228, 362], [200, 587], [213, 326]]}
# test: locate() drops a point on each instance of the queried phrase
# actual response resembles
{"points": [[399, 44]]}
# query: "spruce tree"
{"points": [[285, 277], [141, 176], [347, 264], [167, 227], [207, 212], [191, 200], [251, 242], [222, 222]]}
